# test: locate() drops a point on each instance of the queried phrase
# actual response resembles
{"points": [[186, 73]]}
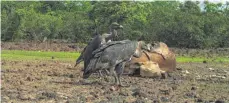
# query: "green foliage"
{"points": [[179, 24], [9, 21], [36, 26]]}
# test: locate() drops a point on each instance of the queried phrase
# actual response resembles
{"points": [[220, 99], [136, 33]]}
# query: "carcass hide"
{"points": [[159, 54], [150, 69]]}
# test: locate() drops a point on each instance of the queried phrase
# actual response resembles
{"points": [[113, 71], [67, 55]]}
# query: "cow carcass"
{"points": [[150, 69], [159, 53]]}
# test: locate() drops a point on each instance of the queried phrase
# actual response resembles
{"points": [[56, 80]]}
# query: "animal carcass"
{"points": [[150, 69], [160, 54]]}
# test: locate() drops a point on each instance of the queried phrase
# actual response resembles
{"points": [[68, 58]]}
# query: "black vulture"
{"points": [[96, 42], [113, 56]]}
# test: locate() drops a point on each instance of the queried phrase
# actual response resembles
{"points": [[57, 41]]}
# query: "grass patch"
{"points": [[39, 55], [201, 59]]}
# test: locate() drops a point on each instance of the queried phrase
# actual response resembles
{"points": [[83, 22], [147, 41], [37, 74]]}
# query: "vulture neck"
{"points": [[112, 35]]}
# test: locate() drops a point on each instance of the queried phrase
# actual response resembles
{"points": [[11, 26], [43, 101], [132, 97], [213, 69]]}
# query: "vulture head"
{"points": [[116, 26]]}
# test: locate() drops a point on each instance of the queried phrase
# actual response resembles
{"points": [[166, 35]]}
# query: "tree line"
{"points": [[178, 24]]}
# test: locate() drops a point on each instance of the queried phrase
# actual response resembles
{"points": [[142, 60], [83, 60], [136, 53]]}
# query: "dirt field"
{"points": [[52, 81], [58, 82]]}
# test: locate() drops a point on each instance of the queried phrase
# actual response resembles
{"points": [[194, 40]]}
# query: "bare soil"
{"points": [[42, 46], [58, 82], [54, 81]]}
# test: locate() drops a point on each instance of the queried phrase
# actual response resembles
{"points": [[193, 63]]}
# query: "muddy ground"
{"points": [[58, 82], [53, 81]]}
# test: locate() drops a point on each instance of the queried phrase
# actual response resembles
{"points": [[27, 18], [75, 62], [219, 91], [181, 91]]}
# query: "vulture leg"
{"points": [[100, 73], [114, 74], [106, 77], [116, 78], [119, 70], [107, 72], [101, 76]]}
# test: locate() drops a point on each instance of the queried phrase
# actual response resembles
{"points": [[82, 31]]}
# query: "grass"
{"points": [[38, 55], [71, 56], [201, 59]]}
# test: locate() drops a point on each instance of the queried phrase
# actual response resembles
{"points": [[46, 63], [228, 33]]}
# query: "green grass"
{"points": [[71, 56], [38, 55], [201, 59]]}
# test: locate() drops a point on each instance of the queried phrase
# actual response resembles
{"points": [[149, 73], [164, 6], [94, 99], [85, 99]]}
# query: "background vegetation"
{"points": [[179, 24]]}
